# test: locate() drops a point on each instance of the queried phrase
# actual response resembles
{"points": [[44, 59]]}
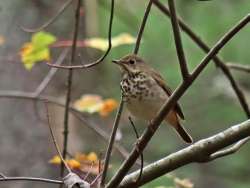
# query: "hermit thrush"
{"points": [[145, 91]]}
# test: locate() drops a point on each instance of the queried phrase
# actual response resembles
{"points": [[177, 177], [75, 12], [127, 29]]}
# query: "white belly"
{"points": [[146, 108]]}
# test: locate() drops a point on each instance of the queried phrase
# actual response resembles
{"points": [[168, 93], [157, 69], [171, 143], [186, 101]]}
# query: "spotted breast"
{"points": [[141, 93]]}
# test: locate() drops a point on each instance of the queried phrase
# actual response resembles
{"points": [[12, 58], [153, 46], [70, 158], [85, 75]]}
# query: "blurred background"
{"points": [[210, 105]]}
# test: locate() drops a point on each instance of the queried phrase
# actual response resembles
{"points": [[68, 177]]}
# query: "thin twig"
{"points": [[89, 171], [177, 38], [142, 160], [69, 82], [104, 55], [198, 152], [44, 180], [50, 21], [96, 179], [230, 150], [79, 115], [142, 27], [2, 175], [217, 60], [111, 142], [54, 138], [168, 105], [42, 86], [238, 67]]}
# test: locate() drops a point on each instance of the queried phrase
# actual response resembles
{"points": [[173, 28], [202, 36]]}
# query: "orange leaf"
{"points": [[95, 103], [108, 106], [73, 164]]}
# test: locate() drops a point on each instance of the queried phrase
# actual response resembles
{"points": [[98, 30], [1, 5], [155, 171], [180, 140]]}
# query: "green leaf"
{"points": [[42, 39], [37, 50]]}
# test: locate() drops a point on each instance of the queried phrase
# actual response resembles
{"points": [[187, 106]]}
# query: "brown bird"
{"points": [[145, 91]]}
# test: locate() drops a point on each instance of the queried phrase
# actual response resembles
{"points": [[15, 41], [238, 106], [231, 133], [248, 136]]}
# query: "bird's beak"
{"points": [[121, 64], [116, 62]]}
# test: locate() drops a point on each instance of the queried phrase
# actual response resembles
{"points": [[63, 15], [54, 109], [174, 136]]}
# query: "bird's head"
{"points": [[131, 64]]}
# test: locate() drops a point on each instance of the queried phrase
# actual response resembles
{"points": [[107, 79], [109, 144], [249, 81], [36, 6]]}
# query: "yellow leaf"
{"points": [[73, 164], [108, 106], [37, 50], [183, 183], [86, 158], [88, 103], [55, 160], [95, 103], [92, 157], [102, 43], [81, 157]]}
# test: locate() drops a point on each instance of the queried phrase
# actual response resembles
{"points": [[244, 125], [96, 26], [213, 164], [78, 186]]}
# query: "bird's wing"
{"points": [[168, 90]]}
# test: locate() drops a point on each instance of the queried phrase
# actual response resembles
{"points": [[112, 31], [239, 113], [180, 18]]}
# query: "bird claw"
{"points": [[136, 144]]}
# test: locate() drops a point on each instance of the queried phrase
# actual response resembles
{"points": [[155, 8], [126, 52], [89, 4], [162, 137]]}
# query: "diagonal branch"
{"points": [[168, 105], [42, 86], [201, 151], [177, 38], [233, 149], [243, 68], [54, 138], [217, 60], [50, 21], [137, 180], [104, 55], [111, 142], [31, 96], [142, 27]]}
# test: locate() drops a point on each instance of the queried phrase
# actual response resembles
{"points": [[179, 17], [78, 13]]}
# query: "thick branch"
{"points": [[177, 38], [217, 60], [198, 152], [152, 127]]}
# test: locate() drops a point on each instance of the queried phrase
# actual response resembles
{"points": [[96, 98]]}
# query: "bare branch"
{"points": [[69, 83], [168, 105], [217, 60], [111, 142], [143, 24], [54, 138], [243, 68], [104, 55], [136, 182], [51, 73], [178, 43], [50, 21], [79, 115], [44, 180], [198, 152], [230, 150]]}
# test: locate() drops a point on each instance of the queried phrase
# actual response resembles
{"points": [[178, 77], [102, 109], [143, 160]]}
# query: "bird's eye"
{"points": [[132, 61]]}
